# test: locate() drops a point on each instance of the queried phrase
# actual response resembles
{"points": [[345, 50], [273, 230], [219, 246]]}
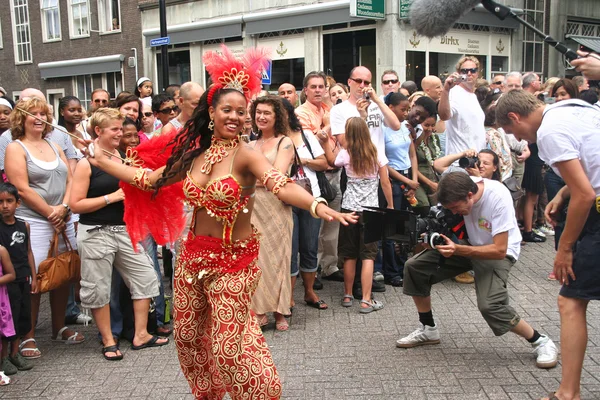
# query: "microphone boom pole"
{"points": [[502, 12]]}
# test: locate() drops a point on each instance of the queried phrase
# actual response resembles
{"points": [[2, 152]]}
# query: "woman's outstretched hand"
{"points": [[330, 215]]}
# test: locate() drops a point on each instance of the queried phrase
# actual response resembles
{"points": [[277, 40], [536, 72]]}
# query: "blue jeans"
{"points": [[389, 265], [72, 310], [305, 240], [553, 184], [152, 249]]}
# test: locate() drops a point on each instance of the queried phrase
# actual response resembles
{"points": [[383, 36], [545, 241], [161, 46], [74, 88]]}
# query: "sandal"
{"points": [[69, 340], [153, 342], [319, 304], [281, 325], [4, 380], [112, 349], [347, 303], [262, 320], [36, 352], [372, 305]]}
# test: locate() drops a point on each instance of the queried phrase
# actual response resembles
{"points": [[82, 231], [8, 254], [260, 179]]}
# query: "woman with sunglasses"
{"points": [[147, 126]]}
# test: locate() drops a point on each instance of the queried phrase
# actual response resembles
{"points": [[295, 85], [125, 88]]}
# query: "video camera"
{"points": [[410, 228]]}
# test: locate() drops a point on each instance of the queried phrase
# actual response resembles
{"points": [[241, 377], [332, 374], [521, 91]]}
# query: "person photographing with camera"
{"points": [[494, 247], [460, 109]]}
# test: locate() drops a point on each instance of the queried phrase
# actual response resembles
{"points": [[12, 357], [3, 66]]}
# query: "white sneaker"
{"points": [[424, 335], [546, 230], [377, 276], [83, 319], [546, 351], [539, 232]]}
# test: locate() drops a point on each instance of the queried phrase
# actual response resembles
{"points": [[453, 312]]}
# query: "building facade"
{"points": [[69, 47]]}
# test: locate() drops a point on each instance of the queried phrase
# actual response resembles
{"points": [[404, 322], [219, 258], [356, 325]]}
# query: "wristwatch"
{"points": [[66, 206]]}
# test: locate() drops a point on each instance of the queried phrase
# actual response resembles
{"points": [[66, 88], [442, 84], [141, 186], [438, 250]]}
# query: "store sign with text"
{"points": [[372, 9], [405, 8], [461, 43]]}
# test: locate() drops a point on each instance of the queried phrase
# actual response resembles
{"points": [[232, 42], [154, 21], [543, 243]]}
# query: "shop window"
{"points": [[179, 68], [286, 71], [21, 31], [342, 51], [50, 20], [113, 82], [79, 19], [415, 66], [109, 15], [83, 89]]}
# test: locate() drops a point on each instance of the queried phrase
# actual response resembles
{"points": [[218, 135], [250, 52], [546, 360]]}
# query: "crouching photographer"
{"points": [[494, 237]]}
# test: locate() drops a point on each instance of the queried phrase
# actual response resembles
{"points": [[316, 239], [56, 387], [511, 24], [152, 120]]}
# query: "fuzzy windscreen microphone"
{"points": [[433, 18]]}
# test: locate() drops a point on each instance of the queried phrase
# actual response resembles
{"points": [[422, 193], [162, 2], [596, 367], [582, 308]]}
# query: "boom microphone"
{"points": [[433, 18]]}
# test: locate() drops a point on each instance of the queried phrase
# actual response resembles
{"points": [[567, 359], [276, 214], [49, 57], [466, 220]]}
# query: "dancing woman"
{"points": [[221, 348]]}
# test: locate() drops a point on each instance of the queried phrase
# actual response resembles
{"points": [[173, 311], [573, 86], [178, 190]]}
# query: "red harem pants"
{"points": [[219, 343]]}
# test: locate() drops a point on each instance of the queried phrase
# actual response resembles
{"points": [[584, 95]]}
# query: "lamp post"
{"points": [[164, 48]]}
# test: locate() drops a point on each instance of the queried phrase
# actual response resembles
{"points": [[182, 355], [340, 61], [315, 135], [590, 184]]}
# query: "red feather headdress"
{"points": [[242, 74]]}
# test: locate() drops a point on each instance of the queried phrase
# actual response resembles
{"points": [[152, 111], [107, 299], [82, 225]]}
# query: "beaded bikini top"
{"points": [[222, 197]]}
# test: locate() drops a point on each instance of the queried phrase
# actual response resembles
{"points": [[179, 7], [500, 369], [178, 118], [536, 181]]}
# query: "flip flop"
{"points": [[319, 305], [112, 349], [35, 350], [153, 342]]}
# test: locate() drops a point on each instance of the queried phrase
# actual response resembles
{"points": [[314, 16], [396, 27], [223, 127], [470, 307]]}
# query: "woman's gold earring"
{"points": [[211, 125]]}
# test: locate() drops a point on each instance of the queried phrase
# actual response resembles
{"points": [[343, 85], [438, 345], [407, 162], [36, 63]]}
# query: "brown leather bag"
{"points": [[59, 269]]}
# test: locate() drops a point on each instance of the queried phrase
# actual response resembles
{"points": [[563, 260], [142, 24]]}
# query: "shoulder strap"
{"points": [[24, 148], [279, 143], [305, 140], [53, 148], [232, 160]]}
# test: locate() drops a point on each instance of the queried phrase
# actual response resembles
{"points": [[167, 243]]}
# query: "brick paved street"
{"points": [[341, 354]]}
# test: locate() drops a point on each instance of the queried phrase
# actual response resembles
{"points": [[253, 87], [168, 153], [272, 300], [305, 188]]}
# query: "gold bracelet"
{"points": [[315, 203], [141, 180]]}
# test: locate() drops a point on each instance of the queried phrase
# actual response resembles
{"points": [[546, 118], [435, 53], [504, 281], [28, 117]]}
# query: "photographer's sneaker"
{"points": [[424, 335], [546, 352]]}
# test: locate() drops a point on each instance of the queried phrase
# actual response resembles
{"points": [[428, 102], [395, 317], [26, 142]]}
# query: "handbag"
{"points": [[328, 192], [59, 269], [513, 186], [298, 175]]}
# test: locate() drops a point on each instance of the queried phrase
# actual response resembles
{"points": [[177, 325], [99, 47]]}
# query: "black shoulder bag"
{"points": [[328, 192]]}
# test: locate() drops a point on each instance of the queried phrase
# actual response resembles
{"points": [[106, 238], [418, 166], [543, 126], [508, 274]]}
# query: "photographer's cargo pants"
{"points": [[491, 276]]}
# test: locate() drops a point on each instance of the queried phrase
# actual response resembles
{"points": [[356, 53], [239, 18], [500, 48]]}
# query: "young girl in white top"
{"points": [[363, 166]]}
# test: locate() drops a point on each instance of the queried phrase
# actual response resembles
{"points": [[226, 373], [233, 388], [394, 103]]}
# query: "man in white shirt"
{"points": [[460, 109], [567, 137], [495, 244]]}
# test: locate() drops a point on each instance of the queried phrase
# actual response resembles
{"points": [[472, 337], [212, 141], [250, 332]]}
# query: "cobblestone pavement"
{"points": [[341, 354]]}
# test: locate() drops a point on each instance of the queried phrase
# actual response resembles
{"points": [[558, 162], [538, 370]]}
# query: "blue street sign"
{"points": [[266, 74], [161, 41]]}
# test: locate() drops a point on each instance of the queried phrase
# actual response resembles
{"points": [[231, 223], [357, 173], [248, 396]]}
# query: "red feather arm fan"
{"points": [[159, 215]]}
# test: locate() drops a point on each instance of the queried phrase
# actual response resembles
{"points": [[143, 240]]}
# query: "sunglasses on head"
{"points": [[148, 114], [169, 110], [387, 82], [361, 81], [467, 70]]}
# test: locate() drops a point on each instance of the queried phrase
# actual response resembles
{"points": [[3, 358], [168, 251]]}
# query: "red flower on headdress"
{"points": [[243, 74]]}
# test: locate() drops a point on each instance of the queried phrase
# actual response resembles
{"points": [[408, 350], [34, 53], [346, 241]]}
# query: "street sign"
{"points": [[405, 8], [161, 41], [372, 9], [266, 74]]}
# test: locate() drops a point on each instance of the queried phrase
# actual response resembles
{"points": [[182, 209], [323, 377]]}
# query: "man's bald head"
{"points": [[432, 86], [288, 91], [189, 97], [31, 92]]}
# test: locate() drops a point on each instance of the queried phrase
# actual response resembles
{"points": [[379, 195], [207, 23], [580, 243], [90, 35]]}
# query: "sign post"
{"points": [[372, 9], [164, 56], [266, 74]]}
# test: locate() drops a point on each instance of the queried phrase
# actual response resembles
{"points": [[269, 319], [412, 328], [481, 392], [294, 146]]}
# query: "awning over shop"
{"points": [[214, 28], [591, 42], [81, 66], [480, 16], [332, 12]]}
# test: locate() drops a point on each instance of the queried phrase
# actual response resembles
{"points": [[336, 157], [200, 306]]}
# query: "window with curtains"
{"points": [[109, 15], [50, 20], [21, 31], [79, 18]]}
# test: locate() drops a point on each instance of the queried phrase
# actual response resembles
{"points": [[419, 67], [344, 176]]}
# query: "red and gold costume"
{"points": [[220, 345]]}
